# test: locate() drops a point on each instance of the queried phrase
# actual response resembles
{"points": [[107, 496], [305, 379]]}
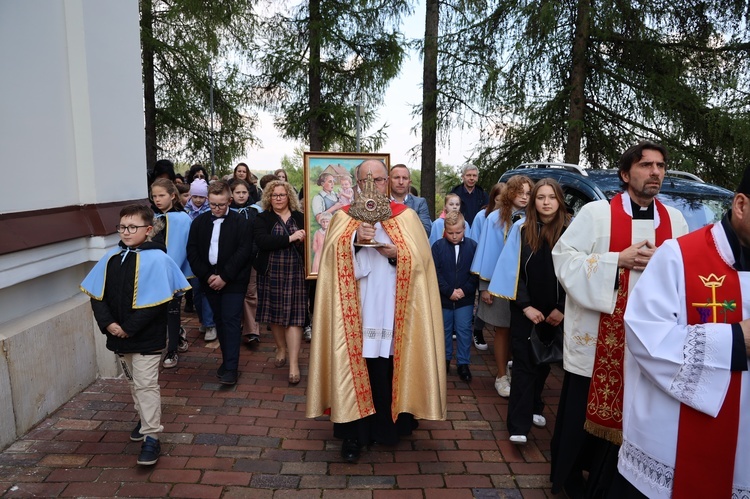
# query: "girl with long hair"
{"points": [[525, 275], [492, 310]]}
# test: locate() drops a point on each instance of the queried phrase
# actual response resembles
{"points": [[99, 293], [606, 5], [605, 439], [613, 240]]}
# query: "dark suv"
{"points": [[699, 202]]}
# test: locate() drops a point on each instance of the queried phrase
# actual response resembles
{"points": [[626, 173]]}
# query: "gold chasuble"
{"points": [[339, 384]]}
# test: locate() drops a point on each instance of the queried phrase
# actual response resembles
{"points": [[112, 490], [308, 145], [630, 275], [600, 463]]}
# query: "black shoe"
{"points": [[189, 307], [479, 342], [221, 371], [464, 373], [150, 451], [228, 378], [136, 435], [350, 451], [574, 487]]}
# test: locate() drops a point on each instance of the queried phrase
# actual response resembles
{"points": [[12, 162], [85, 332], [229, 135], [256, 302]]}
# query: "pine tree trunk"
{"points": [[316, 142], [578, 83], [149, 96], [429, 105]]}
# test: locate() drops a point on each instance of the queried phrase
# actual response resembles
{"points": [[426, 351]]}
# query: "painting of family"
{"points": [[330, 186]]}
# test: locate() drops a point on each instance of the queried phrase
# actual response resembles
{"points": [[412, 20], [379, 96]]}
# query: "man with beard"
{"points": [[598, 261]]}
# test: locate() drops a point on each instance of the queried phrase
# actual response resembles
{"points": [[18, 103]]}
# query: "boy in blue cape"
{"points": [[130, 290]]}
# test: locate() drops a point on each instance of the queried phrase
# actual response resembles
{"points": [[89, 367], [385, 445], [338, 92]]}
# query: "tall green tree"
{"points": [[180, 40], [429, 102], [319, 58], [583, 79]]}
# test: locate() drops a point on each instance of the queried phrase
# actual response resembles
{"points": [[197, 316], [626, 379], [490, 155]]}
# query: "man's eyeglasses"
{"points": [[377, 180], [130, 229], [218, 206]]}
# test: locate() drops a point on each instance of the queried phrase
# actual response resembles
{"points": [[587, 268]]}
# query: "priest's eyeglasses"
{"points": [[130, 229], [377, 180]]}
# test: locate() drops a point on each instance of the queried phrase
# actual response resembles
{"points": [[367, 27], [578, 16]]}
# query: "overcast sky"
{"points": [[403, 93]]}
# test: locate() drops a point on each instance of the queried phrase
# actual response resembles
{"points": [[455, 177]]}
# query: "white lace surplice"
{"points": [[669, 362], [377, 288]]}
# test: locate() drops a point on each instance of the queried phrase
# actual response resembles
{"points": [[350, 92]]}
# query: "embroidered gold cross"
{"points": [[713, 282]]}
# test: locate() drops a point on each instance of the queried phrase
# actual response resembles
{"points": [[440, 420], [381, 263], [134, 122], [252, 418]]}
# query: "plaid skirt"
{"points": [[282, 291]]}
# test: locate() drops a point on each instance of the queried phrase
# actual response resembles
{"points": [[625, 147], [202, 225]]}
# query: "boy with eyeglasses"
{"points": [[220, 253], [130, 290]]}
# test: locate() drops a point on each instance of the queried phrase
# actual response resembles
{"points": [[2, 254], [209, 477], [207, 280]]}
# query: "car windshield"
{"points": [[698, 211]]}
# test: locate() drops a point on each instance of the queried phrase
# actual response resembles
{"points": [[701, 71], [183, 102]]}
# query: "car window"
{"points": [[575, 199], [697, 211]]}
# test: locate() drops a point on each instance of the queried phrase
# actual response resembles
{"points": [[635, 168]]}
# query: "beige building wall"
{"points": [[71, 134]]}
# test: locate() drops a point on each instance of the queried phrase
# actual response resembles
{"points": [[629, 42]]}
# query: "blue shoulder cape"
{"points": [[157, 277], [476, 226], [489, 247], [504, 280], [178, 228]]}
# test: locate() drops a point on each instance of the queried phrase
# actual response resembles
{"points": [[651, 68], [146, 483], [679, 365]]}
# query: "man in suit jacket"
{"points": [[219, 250], [400, 182]]}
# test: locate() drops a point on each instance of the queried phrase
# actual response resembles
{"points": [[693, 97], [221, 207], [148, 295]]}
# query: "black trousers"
{"points": [[528, 379], [174, 319], [378, 427]]}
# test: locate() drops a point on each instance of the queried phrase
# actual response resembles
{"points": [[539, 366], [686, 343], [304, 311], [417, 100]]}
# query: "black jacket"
{"points": [[146, 327], [267, 242], [472, 202], [452, 274], [537, 283], [235, 251]]}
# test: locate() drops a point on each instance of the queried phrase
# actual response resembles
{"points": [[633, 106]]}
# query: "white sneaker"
{"points": [[539, 420], [170, 360], [183, 345], [210, 334], [502, 385], [518, 439], [509, 369]]}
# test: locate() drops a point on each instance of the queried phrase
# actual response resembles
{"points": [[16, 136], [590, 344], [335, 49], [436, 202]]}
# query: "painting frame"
{"points": [[337, 165]]}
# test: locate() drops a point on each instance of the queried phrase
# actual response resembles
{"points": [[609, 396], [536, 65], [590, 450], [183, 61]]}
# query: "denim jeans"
{"points": [[200, 302], [458, 319]]}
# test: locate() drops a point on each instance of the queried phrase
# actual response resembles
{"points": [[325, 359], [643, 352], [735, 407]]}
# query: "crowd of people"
{"points": [[649, 364]]}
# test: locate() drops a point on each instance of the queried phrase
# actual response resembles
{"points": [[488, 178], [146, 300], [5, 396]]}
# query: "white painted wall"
{"points": [[71, 103], [71, 133]]}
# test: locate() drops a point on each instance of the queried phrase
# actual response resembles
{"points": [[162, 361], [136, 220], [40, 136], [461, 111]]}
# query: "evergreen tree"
{"points": [[320, 58], [584, 79], [180, 39]]}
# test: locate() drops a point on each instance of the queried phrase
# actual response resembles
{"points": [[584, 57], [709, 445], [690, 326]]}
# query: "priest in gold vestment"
{"points": [[377, 359]]}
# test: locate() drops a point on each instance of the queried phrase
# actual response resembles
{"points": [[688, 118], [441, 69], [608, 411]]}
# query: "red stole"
{"points": [[604, 404], [706, 446]]}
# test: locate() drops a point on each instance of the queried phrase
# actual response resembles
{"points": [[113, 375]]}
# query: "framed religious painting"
{"points": [[329, 185]]}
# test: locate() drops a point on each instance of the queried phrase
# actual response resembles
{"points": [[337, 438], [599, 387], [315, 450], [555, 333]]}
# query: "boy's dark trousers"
{"points": [[227, 309]]}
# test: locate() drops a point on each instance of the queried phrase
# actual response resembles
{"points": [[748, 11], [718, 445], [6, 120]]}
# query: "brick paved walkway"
{"points": [[253, 440]]}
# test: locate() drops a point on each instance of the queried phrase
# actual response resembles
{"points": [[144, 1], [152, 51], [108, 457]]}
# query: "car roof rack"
{"points": [[550, 164], [688, 175]]}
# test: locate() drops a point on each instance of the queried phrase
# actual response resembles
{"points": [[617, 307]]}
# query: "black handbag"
{"points": [[546, 343]]}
